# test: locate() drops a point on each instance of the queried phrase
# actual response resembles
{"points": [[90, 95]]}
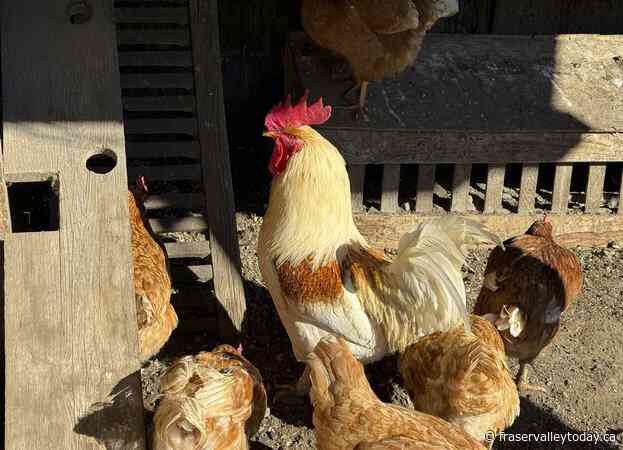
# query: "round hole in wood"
{"points": [[79, 12], [102, 162]]}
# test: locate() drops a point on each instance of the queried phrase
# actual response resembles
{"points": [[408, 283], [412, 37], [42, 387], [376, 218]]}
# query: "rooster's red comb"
{"points": [[283, 115]]}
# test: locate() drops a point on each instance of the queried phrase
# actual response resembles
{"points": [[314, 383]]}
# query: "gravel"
{"points": [[582, 369]]}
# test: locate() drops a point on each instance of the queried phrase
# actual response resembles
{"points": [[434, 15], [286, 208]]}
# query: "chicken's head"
{"points": [[541, 228], [282, 122]]}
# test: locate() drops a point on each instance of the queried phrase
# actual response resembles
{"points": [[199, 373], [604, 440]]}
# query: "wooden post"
{"points": [[356, 175], [390, 187], [71, 347], [216, 165]]}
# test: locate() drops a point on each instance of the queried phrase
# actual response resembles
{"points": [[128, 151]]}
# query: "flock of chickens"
{"points": [[344, 304]]}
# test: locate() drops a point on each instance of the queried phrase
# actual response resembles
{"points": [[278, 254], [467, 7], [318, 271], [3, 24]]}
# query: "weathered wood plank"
{"points": [[71, 364], [191, 274], [385, 230], [356, 175], [217, 180], [567, 75], [425, 184], [359, 146], [182, 103], [495, 186], [562, 185], [156, 59], [177, 37], [177, 224], [182, 201], [390, 185], [169, 172], [527, 188], [152, 15], [180, 80], [460, 187], [595, 187], [170, 125], [193, 249], [167, 149]]}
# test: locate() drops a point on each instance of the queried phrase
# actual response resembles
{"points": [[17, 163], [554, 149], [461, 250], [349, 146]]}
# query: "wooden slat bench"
{"points": [[482, 100]]}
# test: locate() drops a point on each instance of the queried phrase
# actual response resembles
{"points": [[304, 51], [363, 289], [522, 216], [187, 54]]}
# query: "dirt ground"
{"points": [[582, 370]]}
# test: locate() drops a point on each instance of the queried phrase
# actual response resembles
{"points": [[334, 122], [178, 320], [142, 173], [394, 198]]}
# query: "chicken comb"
{"points": [[142, 183], [283, 115]]}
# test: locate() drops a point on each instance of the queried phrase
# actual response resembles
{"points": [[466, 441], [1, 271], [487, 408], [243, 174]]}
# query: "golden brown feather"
{"points": [[541, 279], [378, 39], [214, 400], [348, 415], [463, 378], [152, 286]]}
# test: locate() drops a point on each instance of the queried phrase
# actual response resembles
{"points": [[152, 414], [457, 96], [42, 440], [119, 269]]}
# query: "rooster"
{"points": [[323, 276], [462, 376], [528, 285], [349, 416], [212, 401], [379, 39], [152, 286]]}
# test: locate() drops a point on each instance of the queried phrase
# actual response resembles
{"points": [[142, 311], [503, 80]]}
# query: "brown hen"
{"points": [[379, 39], [152, 286], [527, 287], [212, 401], [348, 415], [463, 378]]}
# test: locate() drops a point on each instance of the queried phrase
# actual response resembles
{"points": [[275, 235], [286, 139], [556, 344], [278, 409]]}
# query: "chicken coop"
{"points": [[499, 126], [97, 95]]}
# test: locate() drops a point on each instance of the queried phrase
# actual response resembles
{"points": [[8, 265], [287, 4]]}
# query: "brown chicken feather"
{"points": [[152, 286], [212, 401], [539, 277], [379, 39], [348, 415], [463, 378]]}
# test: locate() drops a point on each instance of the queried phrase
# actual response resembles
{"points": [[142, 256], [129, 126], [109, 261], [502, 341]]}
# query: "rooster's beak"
{"points": [[269, 134]]}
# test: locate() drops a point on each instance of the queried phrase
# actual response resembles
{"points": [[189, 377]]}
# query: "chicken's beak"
{"points": [[269, 134]]}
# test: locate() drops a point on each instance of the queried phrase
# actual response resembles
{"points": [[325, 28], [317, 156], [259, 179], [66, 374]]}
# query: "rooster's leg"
{"points": [[299, 389], [522, 380]]}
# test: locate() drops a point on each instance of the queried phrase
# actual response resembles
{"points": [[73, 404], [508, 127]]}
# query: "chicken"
{"points": [[379, 39], [528, 285], [323, 276], [152, 286], [348, 415], [462, 376], [212, 401]]}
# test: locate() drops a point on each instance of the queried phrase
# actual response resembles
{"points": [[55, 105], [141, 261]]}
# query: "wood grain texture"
{"points": [[385, 230], [495, 186], [152, 15], [216, 165], [595, 187], [360, 146], [460, 187], [182, 103], [486, 78], [425, 184], [562, 185], [356, 175], [527, 188], [166, 149], [72, 368], [155, 58], [390, 186], [5, 216]]}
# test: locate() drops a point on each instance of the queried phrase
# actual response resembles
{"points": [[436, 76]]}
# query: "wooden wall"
{"points": [[253, 33]]}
